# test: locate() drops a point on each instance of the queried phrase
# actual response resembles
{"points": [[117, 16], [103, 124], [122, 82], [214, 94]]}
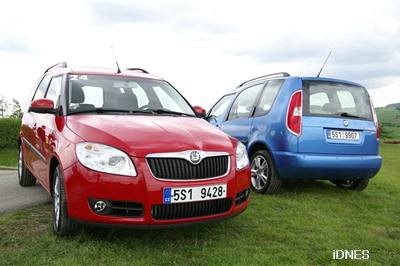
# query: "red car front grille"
{"points": [[181, 169]]}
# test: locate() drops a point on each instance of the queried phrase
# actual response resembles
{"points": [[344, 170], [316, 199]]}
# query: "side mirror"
{"points": [[42, 106], [200, 112]]}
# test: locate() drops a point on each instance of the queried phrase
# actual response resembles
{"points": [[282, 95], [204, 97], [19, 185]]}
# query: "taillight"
{"points": [[294, 113], [378, 131]]}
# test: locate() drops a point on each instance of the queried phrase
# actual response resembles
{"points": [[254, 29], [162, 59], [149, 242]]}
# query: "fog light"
{"points": [[100, 206], [247, 193]]}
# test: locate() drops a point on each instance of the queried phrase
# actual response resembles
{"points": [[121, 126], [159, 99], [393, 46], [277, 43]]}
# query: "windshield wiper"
{"points": [[110, 110], [164, 111], [345, 114]]}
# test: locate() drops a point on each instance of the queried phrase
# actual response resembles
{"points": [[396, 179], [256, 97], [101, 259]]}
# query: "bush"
{"points": [[9, 129]]}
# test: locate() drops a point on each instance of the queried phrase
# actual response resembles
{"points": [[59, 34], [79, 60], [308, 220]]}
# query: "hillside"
{"points": [[393, 105]]}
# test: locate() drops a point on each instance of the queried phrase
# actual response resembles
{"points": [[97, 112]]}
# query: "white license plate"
{"points": [[187, 194], [343, 135]]}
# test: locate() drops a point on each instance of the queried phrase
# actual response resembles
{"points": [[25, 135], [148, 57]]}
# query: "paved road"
{"points": [[14, 197]]}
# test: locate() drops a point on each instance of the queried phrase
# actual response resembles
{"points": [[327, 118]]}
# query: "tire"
{"points": [[62, 224], [358, 184], [264, 178], [25, 178]]}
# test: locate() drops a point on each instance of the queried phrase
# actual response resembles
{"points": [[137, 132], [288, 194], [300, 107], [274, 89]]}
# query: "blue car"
{"points": [[302, 128]]}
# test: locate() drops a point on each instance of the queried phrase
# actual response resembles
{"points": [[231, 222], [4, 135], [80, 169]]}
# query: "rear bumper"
{"points": [[322, 166]]}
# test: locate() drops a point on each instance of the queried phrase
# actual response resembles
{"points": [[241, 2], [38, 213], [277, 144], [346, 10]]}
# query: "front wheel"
{"points": [[264, 178], [62, 224], [358, 184]]}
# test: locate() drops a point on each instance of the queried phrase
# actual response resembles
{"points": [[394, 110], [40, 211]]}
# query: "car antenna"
{"points": [[323, 65], [115, 58]]}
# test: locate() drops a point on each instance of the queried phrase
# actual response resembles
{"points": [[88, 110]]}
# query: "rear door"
{"points": [[337, 119], [239, 121]]}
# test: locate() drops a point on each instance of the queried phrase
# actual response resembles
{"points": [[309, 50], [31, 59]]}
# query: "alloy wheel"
{"points": [[259, 172], [20, 164], [56, 200]]}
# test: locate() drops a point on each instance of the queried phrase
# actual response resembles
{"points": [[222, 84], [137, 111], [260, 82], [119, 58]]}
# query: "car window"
{"points": [[53, 93], [220, 107], [165, 100], [41, 89], [268, 96], [317, 101], [244, 103], [141, 96], [87, 92], [335, 99], [93, 96]]}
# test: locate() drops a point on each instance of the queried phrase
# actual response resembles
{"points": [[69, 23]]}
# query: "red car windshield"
{"points": [[101, 93]]}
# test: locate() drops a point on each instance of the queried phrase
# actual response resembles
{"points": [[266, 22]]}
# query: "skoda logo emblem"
{"points": [[195, 157], [345, 123]]}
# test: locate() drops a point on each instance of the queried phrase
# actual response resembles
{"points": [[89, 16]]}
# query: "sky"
{"points": [[204, 48]]}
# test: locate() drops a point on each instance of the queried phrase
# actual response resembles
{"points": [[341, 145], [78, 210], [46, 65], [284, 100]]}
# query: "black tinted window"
{"points": [[220, 107], [244, 103], [41, 88], [336, 100], [268, 96]]}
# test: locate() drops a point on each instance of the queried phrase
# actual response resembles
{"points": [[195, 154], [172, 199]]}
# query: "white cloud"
{"points": [[204, 48]]}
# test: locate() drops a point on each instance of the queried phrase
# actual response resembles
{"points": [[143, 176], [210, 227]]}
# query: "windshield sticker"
{"points": [[78, 77]]}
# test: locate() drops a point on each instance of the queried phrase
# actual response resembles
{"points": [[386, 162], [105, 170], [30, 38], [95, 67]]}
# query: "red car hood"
{"points": [[139, 135]]}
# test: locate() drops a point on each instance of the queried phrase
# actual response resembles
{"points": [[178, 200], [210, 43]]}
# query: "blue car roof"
{"points": [[331, 80], [238, 89]]}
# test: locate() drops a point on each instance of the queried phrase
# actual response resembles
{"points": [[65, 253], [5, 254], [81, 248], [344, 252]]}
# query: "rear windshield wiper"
{"points": [[345, 114], [163, 111], [110, 110]]}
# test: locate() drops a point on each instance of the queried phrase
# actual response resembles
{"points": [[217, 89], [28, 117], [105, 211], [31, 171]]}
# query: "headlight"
{"points": [[104, 158], [241, 156]]}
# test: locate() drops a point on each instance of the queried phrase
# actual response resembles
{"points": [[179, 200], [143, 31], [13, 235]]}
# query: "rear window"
{"points": [[334, 99]]}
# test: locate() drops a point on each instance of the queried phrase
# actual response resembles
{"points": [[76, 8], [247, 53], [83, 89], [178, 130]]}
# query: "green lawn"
{"points": [[302, 225], [8, 157]]}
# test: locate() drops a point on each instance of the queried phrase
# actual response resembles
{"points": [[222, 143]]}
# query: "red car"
{"points": [[125, 148]]}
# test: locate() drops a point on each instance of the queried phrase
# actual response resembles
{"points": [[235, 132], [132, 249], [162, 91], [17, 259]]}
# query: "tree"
{"points": [[3, 106], [16, 111], [385, 133]]}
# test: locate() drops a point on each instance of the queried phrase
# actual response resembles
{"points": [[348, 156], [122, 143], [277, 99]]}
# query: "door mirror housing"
{"points": [[200, 112], [42, 106]]}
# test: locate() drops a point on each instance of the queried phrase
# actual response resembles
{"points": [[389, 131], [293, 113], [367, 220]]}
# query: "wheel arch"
{"points": [[257, 146], [54, 162]]}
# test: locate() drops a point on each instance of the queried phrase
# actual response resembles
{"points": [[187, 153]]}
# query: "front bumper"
{"points": [[83, 185], [326, 166]]}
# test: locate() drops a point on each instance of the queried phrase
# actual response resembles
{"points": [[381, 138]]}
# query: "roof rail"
{"points": [[278, 74], [62, 64], [138, 69]]}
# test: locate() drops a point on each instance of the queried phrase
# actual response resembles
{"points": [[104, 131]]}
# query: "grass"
{"points": [[301, 225], [8, 157]]}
